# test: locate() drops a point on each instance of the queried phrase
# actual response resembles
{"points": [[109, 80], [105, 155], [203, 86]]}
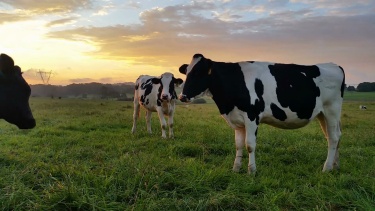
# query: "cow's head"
{"points": [[197, 77], [167, 84], [14, 95]]}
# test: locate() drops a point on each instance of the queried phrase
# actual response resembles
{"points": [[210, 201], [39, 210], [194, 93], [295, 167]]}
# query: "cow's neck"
{"points": [[228, 88], [217, 90]]}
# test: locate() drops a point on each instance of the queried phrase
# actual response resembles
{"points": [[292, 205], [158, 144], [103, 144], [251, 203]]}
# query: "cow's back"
{"points": [[292, 94], [146, 93], [331, 82]]}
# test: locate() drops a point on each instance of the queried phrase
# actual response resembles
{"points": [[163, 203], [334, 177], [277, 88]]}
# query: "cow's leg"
{"points": [[331, 122], [334, 134], [251, 132], [240, 135], [148, 121], [170, 120], [135, 115], [323, 126], [163, 123], [170, 124]]}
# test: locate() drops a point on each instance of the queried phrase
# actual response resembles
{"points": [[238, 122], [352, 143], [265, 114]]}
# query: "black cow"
{"points": [[286, 96], [14, 95]]}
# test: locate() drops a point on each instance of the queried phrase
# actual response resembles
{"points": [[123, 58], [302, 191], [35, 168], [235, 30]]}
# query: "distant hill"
{"points": [[88, 90]]}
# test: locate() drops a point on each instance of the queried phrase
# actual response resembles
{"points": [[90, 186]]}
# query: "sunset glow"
{"points": [[113, 41]]}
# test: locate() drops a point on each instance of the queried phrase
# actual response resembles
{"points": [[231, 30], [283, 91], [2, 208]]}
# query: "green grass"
{"points": [[82, 156], [359, 96]]}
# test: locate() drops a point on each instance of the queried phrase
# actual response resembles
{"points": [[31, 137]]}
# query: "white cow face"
{"points": [[167, 86], [197, 78]]}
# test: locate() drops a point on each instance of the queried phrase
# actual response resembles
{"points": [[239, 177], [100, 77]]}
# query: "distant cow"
{"points": [[156, 94], [286, 96], [362, 107], [14, 95]]}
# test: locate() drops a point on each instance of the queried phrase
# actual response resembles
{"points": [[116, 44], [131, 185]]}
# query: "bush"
{"points": [[366, 87]]}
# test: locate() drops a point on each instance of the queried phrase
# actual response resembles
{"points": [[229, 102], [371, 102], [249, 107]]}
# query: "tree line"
{"points": [[363, 87], [123, 91]]}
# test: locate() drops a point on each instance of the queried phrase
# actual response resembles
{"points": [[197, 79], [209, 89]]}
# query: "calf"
{"points": [[286, 96], [362, 107], [156, 94], [14, 95]]}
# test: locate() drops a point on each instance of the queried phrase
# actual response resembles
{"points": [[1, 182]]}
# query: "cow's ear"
{"points": [[183, 68], [6, 64], [155, 80], [178, 81], [17, 70]]}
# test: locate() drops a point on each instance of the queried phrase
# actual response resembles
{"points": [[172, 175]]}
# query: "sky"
{"points": [[115, 41]]}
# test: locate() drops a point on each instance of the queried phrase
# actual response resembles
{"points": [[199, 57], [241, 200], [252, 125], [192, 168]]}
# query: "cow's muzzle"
{"points": [[27, 124], [164, 97], [183, 98]]}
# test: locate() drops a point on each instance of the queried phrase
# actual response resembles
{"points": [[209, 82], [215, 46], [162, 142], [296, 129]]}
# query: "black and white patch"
{"points": [[156, 94]]}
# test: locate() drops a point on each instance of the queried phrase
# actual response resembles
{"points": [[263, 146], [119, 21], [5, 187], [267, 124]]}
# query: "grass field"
{"points": [[82, 156], [359, 96]]}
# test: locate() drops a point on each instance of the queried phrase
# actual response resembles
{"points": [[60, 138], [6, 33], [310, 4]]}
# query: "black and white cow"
{"points": [[14, 95], [286, 96], [156, 94], [362, 107]]}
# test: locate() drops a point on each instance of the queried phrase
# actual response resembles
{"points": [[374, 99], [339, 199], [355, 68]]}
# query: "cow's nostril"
{"points": [[183, 98]]}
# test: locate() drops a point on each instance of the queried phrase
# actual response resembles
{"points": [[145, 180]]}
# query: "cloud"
{"points": [[62, 21], [8, 17], [106, 80], [49, 6], [226, 16], [134, 4], [164, 32], [340, 31], [81, 80], [340, 7], [104, 10], [31, 74], [37, 76]]}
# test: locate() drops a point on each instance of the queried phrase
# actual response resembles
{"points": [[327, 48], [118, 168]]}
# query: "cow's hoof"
{"points": [[236, 168], [251, 170], [327, 168], [252, 173]]}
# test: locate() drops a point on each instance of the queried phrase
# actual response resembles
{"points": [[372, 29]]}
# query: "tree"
{"points": [[366, 87], [351, 88], [104, 91]]}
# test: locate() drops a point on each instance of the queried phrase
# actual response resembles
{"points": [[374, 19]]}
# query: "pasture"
{"points": [[82, 156]]}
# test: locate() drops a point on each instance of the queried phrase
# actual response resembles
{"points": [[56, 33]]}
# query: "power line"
{"points": [[45, 76]]}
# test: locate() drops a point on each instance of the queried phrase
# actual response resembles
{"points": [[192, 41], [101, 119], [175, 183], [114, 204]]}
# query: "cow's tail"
{"points": [[343, 82], [342, 94]]}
